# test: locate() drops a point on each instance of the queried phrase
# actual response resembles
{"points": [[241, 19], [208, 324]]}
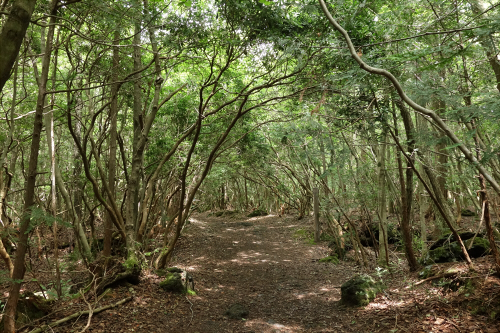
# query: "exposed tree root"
{"points": [[78, 314]]}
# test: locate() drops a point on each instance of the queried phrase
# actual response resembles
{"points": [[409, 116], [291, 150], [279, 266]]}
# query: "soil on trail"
{"points": [[263, 264], [269, 266]]}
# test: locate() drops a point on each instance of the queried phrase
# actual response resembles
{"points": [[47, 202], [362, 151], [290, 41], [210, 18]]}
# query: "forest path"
{"points": [[268, 265], [264, 264]]}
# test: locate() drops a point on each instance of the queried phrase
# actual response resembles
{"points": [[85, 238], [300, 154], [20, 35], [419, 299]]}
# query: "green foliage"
{"points": [[332, 259], [40, 217]]}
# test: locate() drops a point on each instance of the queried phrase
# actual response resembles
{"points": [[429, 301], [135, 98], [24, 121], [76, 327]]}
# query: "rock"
{"points": [[174, 270], [360, 290], [449, 238], [480, 247], [467, 212], [31, 307], [236, 311], [176, 280], [258, 212], [367, 237], [450, 252], [173, 283]]}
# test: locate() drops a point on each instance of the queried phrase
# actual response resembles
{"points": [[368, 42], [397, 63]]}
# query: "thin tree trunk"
{"points": [[22, 245], [382, 204], [113, 113], [437, 120], [49, 129]]}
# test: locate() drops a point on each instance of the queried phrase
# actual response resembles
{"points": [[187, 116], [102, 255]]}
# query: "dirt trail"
{"points": [[264, 265]]}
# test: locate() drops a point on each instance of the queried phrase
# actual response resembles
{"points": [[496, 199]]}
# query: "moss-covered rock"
{"points": [[449, 252], [467, 212], [31, 307], [360, 290], [173, 283], [332, 259], [258, 212], [237, 311], [450, 238], [480, 247], [177, 281]]}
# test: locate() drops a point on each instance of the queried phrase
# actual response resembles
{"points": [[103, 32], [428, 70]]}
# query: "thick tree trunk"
{"points": [[407, 189], [12, 36]]}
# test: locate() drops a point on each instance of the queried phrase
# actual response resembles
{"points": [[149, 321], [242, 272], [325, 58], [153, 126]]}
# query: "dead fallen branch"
{"points": [[444, 275], [80, 313]]}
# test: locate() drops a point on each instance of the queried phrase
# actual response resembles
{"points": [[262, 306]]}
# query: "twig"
{"points": [[80, 313], [190, 308], [91, 312]]}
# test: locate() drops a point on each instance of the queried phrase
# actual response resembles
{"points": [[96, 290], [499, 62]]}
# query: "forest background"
{"points": [[121, 118]]}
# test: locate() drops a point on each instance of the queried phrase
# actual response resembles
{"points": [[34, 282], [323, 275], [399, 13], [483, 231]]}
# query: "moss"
{"points": [[258, 212], [332, 259], [173, 283], [131, 263], [427, 272], [360, 290], [479, 248], [191, 292]]}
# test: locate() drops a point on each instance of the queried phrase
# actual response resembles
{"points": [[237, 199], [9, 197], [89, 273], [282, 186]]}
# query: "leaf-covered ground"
{"points": [[269, 265]]}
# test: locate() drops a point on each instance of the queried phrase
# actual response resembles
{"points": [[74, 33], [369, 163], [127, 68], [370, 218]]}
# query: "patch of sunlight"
{"points": [[235, 242], [257, 242], [239, 261], [270, 326], [248, 255], [200, 258], [259, 218], [388, 304], [192, 268], [287, 260]]}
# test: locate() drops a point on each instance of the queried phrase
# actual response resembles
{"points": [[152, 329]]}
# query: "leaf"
{"points": [[267, 3], [185, 3]]}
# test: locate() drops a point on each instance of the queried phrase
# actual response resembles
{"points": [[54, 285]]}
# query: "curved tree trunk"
{"points": [[12, 36]]}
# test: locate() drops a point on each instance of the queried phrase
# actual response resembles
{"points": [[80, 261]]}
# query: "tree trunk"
{"points": [[12, 36], [407, 187], [29, 194], [382, 204], [113, 113]]}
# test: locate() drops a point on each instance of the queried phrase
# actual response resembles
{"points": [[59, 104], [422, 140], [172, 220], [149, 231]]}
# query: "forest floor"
{"points": [[269, 265]]}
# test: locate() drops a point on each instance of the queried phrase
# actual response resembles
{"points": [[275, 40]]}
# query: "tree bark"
{"points": [[407, 188], [12, 36], [22, 245], [382, 204], [113, 113]]}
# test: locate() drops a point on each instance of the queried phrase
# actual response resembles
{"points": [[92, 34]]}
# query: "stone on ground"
{"points": [[360, 290], [237, 311]]}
